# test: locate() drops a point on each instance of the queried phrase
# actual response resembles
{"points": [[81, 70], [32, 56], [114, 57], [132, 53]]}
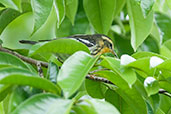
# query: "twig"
{"points": [[100, 79], [39, 68], [26, 59], [45, 64]]}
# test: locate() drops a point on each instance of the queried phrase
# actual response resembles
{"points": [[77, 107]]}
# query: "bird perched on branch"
{"points": [[97, 43]]}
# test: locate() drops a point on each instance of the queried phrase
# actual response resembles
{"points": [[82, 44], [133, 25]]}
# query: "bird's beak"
{"points": [[114, 53]]}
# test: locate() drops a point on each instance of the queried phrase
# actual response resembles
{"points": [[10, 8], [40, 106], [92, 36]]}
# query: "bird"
{"points": [[97, 43]]}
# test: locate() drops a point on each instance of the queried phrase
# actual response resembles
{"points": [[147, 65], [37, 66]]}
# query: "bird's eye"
{"points": [[110, 45]]}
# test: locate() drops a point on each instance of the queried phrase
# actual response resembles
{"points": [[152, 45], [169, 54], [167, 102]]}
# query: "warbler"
{"points": [[97, 43]]}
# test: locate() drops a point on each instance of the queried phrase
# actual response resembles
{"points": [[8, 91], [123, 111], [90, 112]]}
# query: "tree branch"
{"points": [[26, 59], [45, 64]]}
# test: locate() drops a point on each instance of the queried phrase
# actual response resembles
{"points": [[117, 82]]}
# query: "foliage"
{"points": [[140, 30]]}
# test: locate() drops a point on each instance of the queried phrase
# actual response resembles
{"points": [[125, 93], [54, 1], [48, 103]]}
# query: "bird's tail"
{"points": [[27, 42]]}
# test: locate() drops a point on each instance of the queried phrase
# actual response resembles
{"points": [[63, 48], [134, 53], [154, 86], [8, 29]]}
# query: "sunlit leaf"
{"points": [[60, 11], [14, 4], [138, 23], [103, 12], [73, 72], [71, 9], [19, 29], [107, 107], [41, 11], [63, 45], [164, 23], [43, 104]]}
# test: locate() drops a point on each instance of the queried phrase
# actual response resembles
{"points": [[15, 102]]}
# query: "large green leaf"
{"points": [[44, 104], [71, 9], [47, 29], [95, 89], [6, 17], [100, 14], [164, 23], [11, 60], [14, 4], [63, 45], [127, 93], [41, 11], [102, 106], [74, 70], [165, 103], [60, 10], [143, 54], [19, 29], [23, 77], [17, 96], [138, 23], [115, 99], [126, 73]]}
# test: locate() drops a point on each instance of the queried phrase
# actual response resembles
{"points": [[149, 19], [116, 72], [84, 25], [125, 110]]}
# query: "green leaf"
{"points": [[16, 97], [165, 84], [138, 23], [52, 72], [142, 64], [11, 60], [165, 103], [119, 5], [149, 44], [43, 104], [60, 11], [64, 29], [151, 85], [115, 99], [98, 104], [126, 73], [95, 89], [18, 29], [146, 6], [100, 13], [6, 17], [23, 77], [47, 29], [127, 93], [164, 23], [73, 72], [165, 49], [82, 108], [81, 22], [4, 90], [155, 32], [165, 65], [14, 4], [143, 54], [41, 11], [64, 45], [71, 9]]}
